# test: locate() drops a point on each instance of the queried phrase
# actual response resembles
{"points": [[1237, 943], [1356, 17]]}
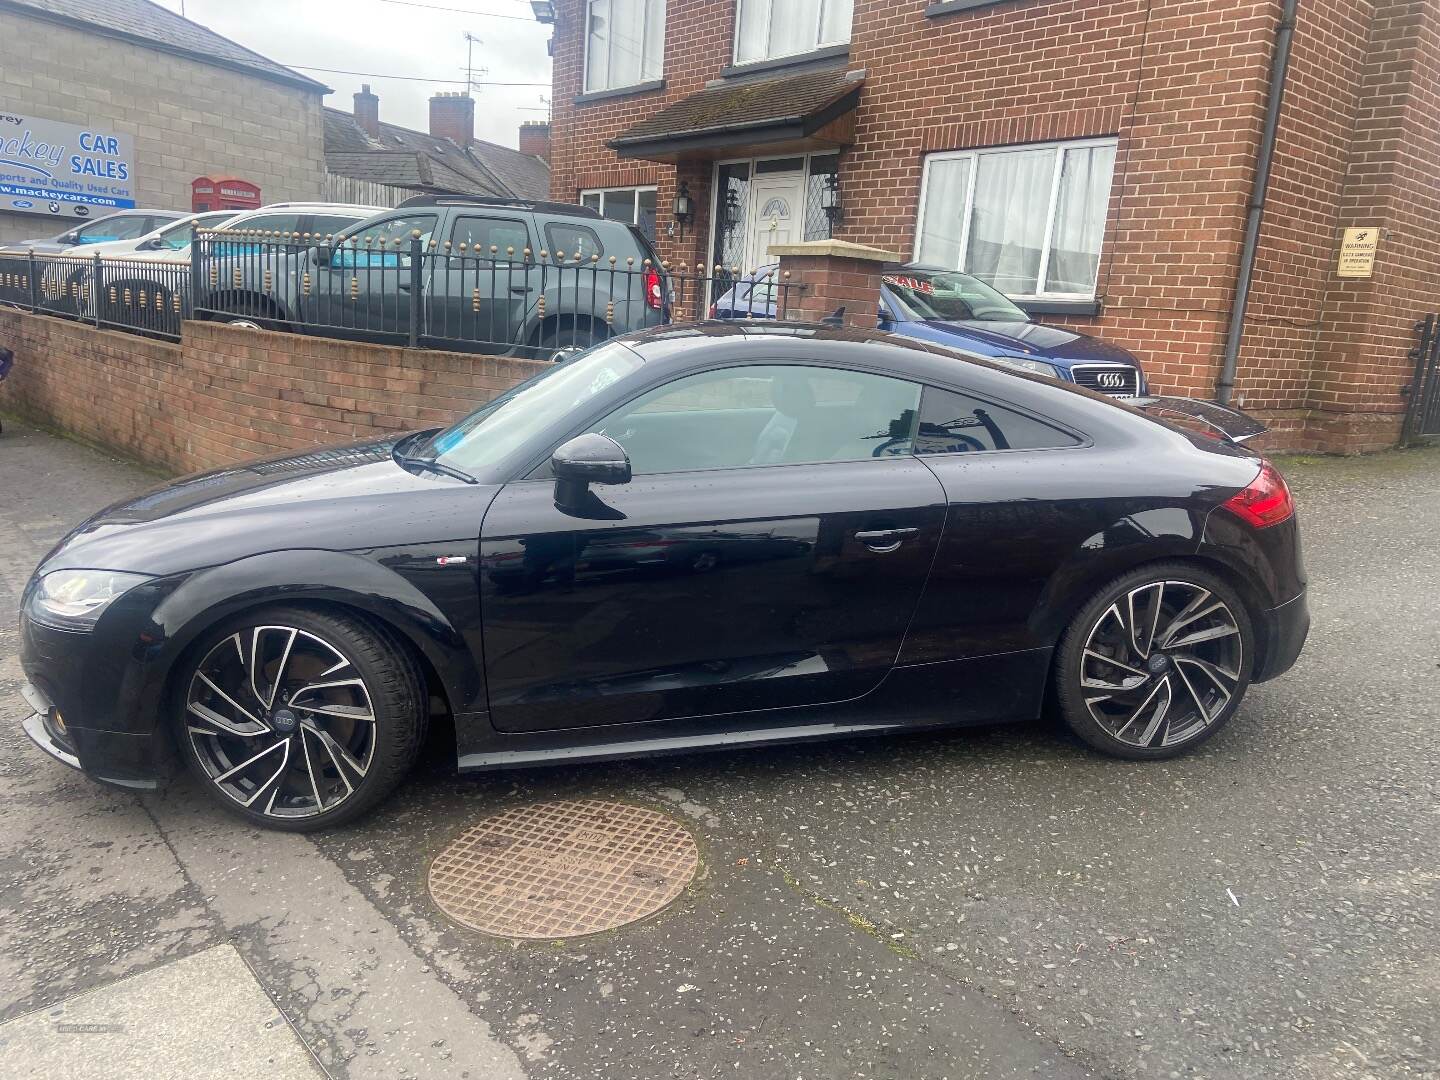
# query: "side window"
{"points": [[952, 423], [383, 243], [330, 224], [120, 228], [573, 240], [765, 415], [480, 234], [286, 223]]}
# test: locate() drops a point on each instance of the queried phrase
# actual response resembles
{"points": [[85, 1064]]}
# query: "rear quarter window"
{"points": [[575, 242], [953, 423]]}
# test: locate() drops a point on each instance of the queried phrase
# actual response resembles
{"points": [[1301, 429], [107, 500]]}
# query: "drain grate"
{"points": [[563, 869]]}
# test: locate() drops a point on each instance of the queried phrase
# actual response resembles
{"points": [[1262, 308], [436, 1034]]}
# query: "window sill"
{"points": [[951, 7], [787, 63], [1058, 307], [621, 91]]}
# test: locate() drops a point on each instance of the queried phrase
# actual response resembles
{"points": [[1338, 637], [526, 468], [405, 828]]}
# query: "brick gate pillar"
{"points": [[833, 274]]}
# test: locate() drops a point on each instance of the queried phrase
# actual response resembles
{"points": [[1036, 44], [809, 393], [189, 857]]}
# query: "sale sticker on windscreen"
{"points": [[63, 170]]}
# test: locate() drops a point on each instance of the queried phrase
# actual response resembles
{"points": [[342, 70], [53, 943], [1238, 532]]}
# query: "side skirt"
{"points": [[949, 694]]}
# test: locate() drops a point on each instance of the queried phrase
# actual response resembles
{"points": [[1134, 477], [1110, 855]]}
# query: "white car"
{"points": [[169, 242]]}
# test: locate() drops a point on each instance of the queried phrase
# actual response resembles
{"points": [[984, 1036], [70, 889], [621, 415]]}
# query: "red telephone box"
{"points": [[223, 193]]}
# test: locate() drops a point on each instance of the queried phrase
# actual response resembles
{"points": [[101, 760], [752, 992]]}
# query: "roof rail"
{"points": [[571, 209]]}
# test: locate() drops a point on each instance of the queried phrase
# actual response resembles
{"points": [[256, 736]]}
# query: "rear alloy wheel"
{"points": [[296, 720], [1156, 663]]}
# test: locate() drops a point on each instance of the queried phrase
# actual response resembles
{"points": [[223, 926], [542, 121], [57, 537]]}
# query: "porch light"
{"points": [[684, 212], [544, 11], [830, 200], [732, 211]]}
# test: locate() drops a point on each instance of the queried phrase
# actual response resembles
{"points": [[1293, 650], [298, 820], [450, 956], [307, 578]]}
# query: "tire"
{"points": [[333, 761], [561, 343], [247, 322], [1148, 700]]}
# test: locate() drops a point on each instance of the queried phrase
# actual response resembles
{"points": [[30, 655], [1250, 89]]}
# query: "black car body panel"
{"points": [[708, 608]]}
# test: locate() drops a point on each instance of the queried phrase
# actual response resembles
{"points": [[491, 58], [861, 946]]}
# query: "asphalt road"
{"points": [[992, 904]]}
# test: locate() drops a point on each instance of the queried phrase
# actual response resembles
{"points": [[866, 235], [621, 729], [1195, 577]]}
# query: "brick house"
{"points": [[1094, 159]]}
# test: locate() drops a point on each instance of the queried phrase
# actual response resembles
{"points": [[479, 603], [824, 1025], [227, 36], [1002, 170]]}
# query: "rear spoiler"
{"points": [[1230, 424]]}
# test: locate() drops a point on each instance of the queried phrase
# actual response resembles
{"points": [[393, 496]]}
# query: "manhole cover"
{"points": [[563, 869]]}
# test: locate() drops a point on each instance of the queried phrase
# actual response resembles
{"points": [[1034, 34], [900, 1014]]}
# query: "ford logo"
{"points": [[22, 204], [1111, 380]]}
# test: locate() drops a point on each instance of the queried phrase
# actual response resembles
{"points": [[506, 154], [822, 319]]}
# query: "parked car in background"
{"points": [[170, 240], [734, 535], [126, 225], [497, 275], [951, 308]]}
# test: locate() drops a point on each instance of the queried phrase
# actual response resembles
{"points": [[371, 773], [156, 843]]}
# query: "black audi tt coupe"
{"points": [[725, 535]]}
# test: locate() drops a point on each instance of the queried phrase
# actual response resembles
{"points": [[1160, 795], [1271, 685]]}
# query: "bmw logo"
{"points": [[54, 207]]}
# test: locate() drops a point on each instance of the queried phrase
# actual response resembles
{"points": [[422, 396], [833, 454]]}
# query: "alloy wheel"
{"points": [[281, 722], [1162, 664]]}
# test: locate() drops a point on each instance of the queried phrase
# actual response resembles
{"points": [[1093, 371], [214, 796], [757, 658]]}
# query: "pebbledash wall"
{"points": [[1182, 85], [187, 117], [224, 394]]}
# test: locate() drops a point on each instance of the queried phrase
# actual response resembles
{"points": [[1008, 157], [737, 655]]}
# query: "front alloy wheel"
{"points": [[1156, 663], [298, 720]]}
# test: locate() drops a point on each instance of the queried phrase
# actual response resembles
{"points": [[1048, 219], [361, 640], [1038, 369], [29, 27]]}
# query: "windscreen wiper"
{"points": [[435, 465]]}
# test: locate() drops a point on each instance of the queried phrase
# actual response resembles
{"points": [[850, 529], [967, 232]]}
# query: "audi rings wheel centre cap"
{"points": [[284, 721]]}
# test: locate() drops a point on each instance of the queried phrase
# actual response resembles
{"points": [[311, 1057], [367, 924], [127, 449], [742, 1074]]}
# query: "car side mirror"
{"points": [[154, 245], [584, 460], [322, 254], [70, 238]]}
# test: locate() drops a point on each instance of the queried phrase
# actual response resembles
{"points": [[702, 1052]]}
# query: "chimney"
{"points": [[367, 111], [535, 138], [452, 116]]}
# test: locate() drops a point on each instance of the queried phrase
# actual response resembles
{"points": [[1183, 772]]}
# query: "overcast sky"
{"points": [[398, 39]]}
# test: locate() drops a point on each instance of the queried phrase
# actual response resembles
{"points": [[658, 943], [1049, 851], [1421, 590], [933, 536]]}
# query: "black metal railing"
{"points": [[1422, 415], [143, 296], [415, 291], [406, 291]]}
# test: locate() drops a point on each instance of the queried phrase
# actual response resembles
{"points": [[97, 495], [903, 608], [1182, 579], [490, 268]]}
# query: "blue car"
{"points": [[951, 308]]}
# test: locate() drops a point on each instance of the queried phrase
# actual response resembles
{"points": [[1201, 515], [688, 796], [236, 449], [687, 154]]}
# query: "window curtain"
{"points": [[836, 20], [626, 43], [793, 24], [1007, 224], [1080, 219], [946, 184], [597, 46], [753, 31]]}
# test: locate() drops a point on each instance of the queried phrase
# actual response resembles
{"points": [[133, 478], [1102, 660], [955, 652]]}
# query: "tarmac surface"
{"points": [[1000, 903]]}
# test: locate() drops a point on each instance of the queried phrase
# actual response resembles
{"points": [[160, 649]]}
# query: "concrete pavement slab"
{"points": [[202, 1016]]}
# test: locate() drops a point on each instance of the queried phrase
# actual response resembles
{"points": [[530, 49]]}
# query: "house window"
{"points": [[770, 29], [624, 43], [635, 205], [1027, 220]]}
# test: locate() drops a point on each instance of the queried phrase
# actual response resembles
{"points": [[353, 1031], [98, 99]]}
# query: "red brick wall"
{"points": [[1182, 85], [223, 394]]}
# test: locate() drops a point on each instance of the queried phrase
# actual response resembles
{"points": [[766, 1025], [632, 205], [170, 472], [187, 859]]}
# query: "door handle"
{"points": [[883, 540], [522, 288]]}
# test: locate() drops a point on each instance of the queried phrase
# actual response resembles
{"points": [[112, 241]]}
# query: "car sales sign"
{"points": [[63, 170]]}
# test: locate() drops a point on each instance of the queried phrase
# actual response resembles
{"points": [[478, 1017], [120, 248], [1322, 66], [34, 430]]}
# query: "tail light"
{"points": [[1266, 501], [652, 288]]}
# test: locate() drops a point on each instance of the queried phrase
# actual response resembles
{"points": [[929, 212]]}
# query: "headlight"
{"points": [[74, 599], [1038, 367]]}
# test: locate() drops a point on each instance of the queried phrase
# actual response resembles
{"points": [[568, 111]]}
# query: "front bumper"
{"points": [[1281, 634], [118, 759]]}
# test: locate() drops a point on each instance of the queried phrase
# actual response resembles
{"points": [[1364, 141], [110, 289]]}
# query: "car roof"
{"points": [[720, 341]]}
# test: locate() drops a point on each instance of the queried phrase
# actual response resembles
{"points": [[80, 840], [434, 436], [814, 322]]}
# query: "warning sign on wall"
{"points": [[1357, 253]]}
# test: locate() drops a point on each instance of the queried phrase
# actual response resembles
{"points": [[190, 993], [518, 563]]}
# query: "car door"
{"points": [[481, 284], [366, 283], [769, 552]]}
